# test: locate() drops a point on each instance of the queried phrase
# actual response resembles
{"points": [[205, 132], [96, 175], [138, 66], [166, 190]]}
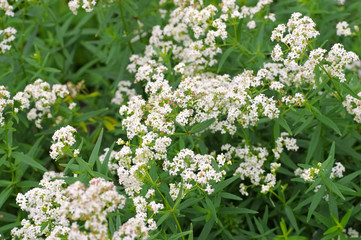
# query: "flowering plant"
{"points": [[180, 119]]}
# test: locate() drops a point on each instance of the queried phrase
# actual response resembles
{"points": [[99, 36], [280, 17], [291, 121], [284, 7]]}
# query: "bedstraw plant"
{"points": [[180, 119]]}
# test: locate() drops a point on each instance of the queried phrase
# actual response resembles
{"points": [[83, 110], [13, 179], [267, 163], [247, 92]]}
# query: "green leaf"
{"points": [[89, 115], [5, 183], [325, 120], [51, 70], [315, 138], [291, 217], [238, 210], [212, 209], [331, 230], [104, 166], [84, 166], [95, 153], [328, 164], [332, 187], [304, 125], [282, 122], [230, 196], [179, 235], [9, 226], [316, 199], [35, 147], [3, 160], [7, 217], [189, 202], [191, 235], [28, 184], [22, 158], [224, 57], [206, 230], [203, 125], [4, 195], [221, 185], [163, 218], [345, 218]]}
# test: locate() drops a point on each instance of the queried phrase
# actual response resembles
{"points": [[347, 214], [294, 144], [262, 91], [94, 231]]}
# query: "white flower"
{"points": [[343, 29], [251, 24], [8, 36], [62, 138]]}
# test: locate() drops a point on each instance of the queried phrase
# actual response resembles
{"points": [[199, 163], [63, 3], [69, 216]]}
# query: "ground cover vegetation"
{"points": [[180, 119]]}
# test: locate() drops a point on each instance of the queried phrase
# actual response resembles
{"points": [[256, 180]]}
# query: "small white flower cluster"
{"points": [[44, 96], [132, 168], [351, 233], [131, 164], [339, 58], [5, 6], [8, 35], [138, 227], [300, 32], [123, 93], [252, 166], [284, 141], [63, 139], [88, 5], [5, 101], [343, 29], [229, 7], [298, 99], [194, 169], [194, 55], [57, 211], [308, 174], [353, 106], [355, 67], [337, 170]]}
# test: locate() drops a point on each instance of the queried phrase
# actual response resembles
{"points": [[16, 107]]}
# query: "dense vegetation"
{"points": [[184, 119]]}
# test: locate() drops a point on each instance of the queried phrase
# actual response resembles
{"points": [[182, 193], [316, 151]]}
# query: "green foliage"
{"points": [[90, 52]]}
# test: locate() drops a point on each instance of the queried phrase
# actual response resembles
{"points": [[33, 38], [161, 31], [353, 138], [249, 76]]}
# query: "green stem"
{"points": [[171, 209], [176, 220]]}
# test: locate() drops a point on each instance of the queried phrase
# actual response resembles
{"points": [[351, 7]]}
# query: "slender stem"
{"points": [[176, 220], [171, 209]]}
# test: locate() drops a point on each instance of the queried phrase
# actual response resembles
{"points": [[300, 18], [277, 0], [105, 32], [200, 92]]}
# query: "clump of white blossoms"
{"points": [[123, 93], [252, 165], [195, 169], [343, 29], [337, 170], [58, 211], [63, 140], [284, 141], [87, 5], [8, 35], [5, 101], [138, 227], [44, 96], [308, 174], [5, 6], [353, 106], [39, 97], [300, 31]]}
